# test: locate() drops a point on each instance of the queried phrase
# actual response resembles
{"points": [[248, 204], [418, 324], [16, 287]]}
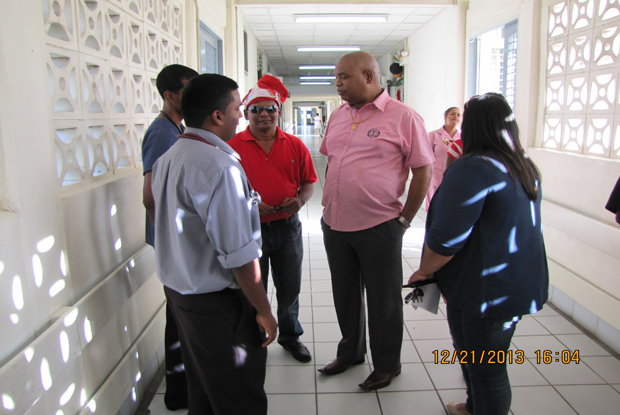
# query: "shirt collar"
{"points": [[246, 135], [213, 139], [380, 102]]}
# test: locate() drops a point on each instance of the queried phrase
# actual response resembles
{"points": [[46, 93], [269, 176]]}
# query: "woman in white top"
{"points": [[441, 140], [317, 124]]}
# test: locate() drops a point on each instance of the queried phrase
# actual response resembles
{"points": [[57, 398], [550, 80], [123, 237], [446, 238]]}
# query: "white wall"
{"points": [[81, 307], [434, 74]]}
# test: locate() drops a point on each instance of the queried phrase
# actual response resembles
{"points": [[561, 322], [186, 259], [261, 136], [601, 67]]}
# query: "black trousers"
{"points": [[369, 260], [176, 384], [221, 345]]}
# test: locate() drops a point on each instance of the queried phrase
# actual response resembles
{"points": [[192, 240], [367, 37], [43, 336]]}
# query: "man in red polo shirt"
{"points": [[279, 168]]}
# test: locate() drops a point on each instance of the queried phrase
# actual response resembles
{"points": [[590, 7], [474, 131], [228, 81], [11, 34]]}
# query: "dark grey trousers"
{"points": [[369, 260], [221, 345]]}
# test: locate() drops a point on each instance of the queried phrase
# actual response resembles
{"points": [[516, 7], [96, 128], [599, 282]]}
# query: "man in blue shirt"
{"points": [[208, 243], [159, 137]]}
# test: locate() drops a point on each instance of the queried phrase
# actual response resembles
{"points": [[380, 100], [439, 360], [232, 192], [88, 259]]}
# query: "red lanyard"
{"points": [[196, 137]]}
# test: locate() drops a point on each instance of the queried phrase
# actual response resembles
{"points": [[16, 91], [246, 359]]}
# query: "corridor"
{"points": [[591, 387]]}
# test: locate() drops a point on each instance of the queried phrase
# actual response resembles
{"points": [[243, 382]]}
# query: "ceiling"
{"points": [[279, 35]]}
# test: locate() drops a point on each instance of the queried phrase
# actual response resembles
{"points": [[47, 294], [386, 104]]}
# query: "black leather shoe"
{"points": [[379, 380], [337, 366], [299, 351]]}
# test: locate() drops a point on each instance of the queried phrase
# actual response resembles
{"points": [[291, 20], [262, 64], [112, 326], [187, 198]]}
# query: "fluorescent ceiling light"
{"points": [[340, 18], [317, 77], [315, 83], [328, 48], [302, 67]]}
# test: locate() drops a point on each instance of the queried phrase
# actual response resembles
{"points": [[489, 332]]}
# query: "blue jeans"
{"points": [[488, 387], [283, 250]]}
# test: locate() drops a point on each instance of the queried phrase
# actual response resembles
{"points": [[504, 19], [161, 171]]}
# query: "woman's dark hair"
{"points": [[204, 94], [445, 114], [489, 125]]}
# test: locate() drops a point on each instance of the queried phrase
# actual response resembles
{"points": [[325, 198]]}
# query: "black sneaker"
{"points": [[299, 351]]}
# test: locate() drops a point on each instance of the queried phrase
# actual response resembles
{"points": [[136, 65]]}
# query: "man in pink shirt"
{"points": [[371, 144]]}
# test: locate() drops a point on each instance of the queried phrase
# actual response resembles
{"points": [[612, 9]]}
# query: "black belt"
{"points": [[280, 222]]}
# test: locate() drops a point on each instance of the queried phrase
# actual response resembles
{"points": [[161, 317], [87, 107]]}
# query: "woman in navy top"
{"points": [[484, 243]]}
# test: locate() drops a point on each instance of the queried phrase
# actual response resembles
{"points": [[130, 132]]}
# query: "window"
{"points": [[493, 62], [210, 51], [246, 63]]}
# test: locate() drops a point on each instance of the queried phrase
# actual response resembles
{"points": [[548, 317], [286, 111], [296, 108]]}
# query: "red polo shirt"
{"points": [[279, 174]]}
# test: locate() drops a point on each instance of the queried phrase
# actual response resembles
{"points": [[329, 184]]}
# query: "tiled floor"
{"points": [[591, 387]]}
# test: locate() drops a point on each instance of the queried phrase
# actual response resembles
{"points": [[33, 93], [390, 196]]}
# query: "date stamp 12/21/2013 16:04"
{"points": [[501, 357]]}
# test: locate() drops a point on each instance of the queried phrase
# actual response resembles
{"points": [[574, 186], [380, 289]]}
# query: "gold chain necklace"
{"points": [[355, 124]]}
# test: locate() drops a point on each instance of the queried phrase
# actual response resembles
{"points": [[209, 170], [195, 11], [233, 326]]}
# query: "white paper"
{"points": [[430, 301]]}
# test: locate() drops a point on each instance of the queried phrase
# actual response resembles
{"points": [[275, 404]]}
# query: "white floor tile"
{"points": [[327, 332], [318, 264], [581, 342], [412, 314], [607, 367], [592, 399], [322, 299], [528, 326], [346, 403], [321, 286], [418, 402], [539, 400], [290, 379], [446, 376], [428, 329], [325, 314], [558, 373], [320, 274], [557, 325], [408, 352], [525, 374], [530, 344], [286, 404], [431, 350]]}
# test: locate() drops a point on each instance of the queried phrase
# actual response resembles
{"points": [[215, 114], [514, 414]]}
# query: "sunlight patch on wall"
{"points": [[7, 402], [67, 395], [57, 287], [18, 294], [46, 376], [29, 354], [64, 346], [63, 264], [88, 333], [46, 244], [37, 269], [71, 317]]}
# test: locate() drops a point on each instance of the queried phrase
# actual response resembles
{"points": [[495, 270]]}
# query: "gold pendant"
{"points": [[354, 127]]}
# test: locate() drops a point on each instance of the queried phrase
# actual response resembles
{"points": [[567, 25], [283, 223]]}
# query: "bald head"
{"points": [[357, 78]]}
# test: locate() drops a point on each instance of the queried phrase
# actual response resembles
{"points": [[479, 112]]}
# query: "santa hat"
{"points": [[268, 88]]}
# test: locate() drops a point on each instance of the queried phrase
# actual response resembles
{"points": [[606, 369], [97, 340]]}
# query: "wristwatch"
{"points": [[404, 222]]}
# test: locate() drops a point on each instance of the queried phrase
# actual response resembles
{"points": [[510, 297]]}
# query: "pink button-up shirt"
{"points": [[441, 141], [368, 165]]}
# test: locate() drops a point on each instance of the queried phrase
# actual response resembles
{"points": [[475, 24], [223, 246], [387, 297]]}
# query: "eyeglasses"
{"points": [[257, 109]]}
